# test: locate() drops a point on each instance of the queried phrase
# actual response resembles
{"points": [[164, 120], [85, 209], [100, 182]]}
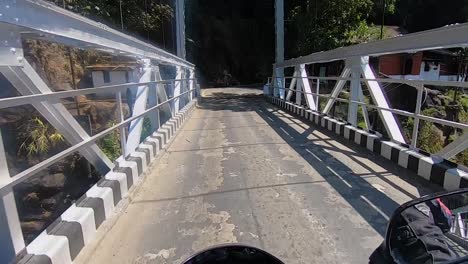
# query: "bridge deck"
{"points": [[242, 170]]}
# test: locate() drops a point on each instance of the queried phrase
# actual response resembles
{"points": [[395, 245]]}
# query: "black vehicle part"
{"points": [[233, 254]]}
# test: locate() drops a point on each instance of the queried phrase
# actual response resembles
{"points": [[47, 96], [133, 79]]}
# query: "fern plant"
{"points": [[37, 137]]}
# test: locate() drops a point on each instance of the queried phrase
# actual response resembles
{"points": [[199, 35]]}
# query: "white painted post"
{"points": [[354, 95], [364, 109], [278, 84], [292, 85], [191, 84], [11, 235], [417, 111], [153, 99], [317, 98], [161, 93], [123, 138], [305, 85], [380, 100], [279, 27], [139, 107], [177, 89], [337, 90], [180, 28], [299, 91]]}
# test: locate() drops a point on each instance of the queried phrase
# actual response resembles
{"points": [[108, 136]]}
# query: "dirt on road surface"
{"points": [[243, 171]]}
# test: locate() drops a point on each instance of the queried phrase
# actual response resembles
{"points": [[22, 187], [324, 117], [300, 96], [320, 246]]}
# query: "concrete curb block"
{"points": [[62, 241], [437, 170]]}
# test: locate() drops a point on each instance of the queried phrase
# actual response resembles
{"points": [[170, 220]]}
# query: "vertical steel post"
{"points": [[177, 89], [337, 90], [364, 109], [292, 85], [354, 95], [123, 139], [304, 85], [378, 96], [10, 231], [417, 111], [317, 98], [299, 87], [279, 27], [180, 28], [191, 84], [136, 126], [153, 99]]}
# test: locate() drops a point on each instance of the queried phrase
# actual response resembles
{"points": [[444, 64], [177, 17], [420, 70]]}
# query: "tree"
{"points": [[143, 17], [236, 37], [418, 15], [317, 25]]}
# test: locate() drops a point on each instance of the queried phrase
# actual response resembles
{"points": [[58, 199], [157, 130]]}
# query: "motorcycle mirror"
{"points": [[431, 229]]}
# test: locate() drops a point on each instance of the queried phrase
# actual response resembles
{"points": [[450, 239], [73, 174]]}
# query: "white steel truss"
{"points": [[300, 83], [37, 19], [357, 71]]}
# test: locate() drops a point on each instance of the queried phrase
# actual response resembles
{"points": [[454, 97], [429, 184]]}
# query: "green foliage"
{"points": [[461, 98], [430, 138], [366, 33], [463, 116], [142, 17], [462, 158], [418, 15], [327, 24], [434, 112], [37, 137], [110, 144], [147, 129]]}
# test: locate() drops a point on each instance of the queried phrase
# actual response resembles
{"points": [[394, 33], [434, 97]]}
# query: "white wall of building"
{"points": [[115, 77], [432, 75]]}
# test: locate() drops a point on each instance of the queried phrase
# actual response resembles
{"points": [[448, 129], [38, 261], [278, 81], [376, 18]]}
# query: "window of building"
{"points": [[127, 77], [106, 76], [408, 65], [427, 66]]}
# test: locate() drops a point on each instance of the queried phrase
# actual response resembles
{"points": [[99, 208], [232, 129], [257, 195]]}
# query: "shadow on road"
{"points": [[373, 205]]}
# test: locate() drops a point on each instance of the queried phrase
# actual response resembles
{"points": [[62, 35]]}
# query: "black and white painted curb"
{"points": [[437, 170], [61, 242]]}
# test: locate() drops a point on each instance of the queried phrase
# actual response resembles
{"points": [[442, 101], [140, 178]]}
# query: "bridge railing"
{"points": [[416, 115], [145, 98], [357, 73]]}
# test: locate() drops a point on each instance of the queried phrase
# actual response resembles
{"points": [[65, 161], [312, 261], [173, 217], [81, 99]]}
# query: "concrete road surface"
{"points": [[243, 171]]}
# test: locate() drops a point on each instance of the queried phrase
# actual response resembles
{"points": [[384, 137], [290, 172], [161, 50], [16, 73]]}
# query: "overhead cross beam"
{"points": [[452, 36], [38, 18]]}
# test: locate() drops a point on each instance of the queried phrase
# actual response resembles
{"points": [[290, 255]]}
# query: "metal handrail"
{"points": [[416, 116], [394, 111], [24, 175], [414, 83], [34, 98]]}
